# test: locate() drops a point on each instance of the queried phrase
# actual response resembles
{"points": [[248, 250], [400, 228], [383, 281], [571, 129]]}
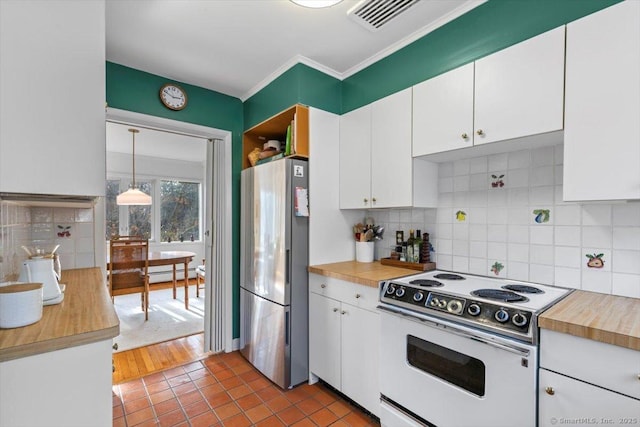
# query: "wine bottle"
{"points": [[410, 242], [417, 244]]}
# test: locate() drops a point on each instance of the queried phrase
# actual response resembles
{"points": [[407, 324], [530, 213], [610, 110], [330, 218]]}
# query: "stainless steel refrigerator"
{"points": [[273, 270]]}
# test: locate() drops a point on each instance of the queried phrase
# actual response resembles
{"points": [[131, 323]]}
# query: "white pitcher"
{"points": [[41, 271]]}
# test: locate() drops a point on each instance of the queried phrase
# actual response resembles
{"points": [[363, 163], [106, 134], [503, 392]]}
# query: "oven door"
{"points": [[451, 375]]}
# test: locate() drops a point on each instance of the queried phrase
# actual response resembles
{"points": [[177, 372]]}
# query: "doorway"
{"points": [[214, 229]]}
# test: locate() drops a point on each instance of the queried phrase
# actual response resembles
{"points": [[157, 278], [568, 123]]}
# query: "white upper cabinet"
{"points": [[519, 90], [355, 159], [391, 161], [443, 112], [376, 166], [602, 110], [52, 108], [513, 93]]}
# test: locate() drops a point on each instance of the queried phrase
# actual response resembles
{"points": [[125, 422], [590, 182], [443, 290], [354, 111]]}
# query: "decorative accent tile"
{"points": [[496, 268], [541, 215], [595, 260], [461, 216], [497, 180]]}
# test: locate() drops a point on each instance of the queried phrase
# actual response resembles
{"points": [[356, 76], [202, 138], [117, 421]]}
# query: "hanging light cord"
{"points": [[133, 155]]}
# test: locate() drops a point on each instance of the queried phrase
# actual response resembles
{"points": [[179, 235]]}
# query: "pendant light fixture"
{"points": [[316, 4], [133, 196]]}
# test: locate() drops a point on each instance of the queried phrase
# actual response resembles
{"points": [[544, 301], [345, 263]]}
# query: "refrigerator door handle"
{"points": [[286, 329], [287, 267]]}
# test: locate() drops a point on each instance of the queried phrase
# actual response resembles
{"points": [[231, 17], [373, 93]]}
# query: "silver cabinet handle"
{"points": [[465, 136], [335, 310], [323, 286], [480, 132], [358, 296], [366, 200], [115, 346], [550, 391], [343, 312], [374, 200]]}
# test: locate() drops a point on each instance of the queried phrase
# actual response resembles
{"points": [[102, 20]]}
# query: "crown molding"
{"points": [[299, 59], [466, 7]]}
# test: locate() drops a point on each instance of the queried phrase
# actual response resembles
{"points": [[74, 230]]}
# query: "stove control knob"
{"points": [[418, 296], [454, 307], [519, 319], [400, 292], [434, 302], [501, 315], [391, 289], [442, 303], [474, 309]]}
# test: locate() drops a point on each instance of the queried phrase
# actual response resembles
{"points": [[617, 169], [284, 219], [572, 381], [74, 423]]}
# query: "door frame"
{"points": [[210, 134]]}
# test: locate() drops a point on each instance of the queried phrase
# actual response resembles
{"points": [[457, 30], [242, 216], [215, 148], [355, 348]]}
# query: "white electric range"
{"points": [[460, 350]]}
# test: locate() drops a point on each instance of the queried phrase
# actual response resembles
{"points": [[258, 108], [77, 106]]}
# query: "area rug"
{"points": [[168, 318]]}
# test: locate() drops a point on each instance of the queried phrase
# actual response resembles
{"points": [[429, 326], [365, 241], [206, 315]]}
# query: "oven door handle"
{"points": [[462, 333]]}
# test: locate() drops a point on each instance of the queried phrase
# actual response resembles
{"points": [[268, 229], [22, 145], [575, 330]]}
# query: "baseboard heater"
{"points": [[164, 275]]}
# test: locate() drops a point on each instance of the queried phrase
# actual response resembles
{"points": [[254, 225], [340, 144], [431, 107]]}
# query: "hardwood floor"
{"points": [[138, 362]]}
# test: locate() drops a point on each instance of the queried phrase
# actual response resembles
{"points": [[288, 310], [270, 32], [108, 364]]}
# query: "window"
{"points": [[127, 220], [174, 215], [179, 211]]}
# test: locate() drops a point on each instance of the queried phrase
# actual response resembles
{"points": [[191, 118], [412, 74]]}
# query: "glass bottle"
{"points": [[417, 245], [410, 242]]}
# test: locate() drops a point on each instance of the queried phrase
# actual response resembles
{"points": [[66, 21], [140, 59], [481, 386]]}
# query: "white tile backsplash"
{"points": [[71, 228], [500, 225]]}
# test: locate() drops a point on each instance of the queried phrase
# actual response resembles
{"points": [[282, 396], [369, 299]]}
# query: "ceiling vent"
{"points": [[374, 14]]}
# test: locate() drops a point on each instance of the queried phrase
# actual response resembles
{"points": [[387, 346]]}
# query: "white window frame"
{"points": [[123, 217]]}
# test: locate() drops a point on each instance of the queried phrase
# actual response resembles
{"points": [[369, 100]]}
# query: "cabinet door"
{"points": [[355, 159], [52, 108], [324, 338], [443, 112], [391, 160], [519, 90], [360, 341], [563, 397], [602, 130]]}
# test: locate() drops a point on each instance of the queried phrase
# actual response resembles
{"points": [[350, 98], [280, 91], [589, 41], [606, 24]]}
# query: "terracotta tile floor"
{"points": [[225, 390]]}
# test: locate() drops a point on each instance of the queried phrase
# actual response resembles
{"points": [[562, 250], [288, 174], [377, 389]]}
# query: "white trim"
{"points": [[299, 59], [190, 129]]}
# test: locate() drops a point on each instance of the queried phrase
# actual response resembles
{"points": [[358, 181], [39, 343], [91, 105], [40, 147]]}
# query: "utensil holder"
{"points": [[364, 251]]}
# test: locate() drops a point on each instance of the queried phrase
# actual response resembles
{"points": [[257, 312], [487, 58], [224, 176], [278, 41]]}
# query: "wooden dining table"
{"points": [[174, 258]]}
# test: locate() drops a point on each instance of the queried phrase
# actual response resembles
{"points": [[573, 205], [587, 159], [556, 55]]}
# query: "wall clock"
{"points": [[173, 96]]}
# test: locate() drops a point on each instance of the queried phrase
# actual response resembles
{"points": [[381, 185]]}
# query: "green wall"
{"points": [[300, 84], [488, 28], [134, 90]]}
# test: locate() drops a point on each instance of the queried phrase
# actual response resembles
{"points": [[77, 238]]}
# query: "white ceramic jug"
{"points": [[40, 270]]}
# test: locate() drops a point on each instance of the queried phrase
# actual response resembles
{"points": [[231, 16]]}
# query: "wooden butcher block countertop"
{"points": [[607, 318], [363, 273], [86, 315]]}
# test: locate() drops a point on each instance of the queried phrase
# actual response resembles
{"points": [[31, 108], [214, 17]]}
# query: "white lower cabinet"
{"points": [[564, 400], [70, 387], [587, 382], [344, 338]]}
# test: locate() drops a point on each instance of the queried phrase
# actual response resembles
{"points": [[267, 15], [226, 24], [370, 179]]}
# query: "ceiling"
{"points": [[154, 143], [236, 47]]}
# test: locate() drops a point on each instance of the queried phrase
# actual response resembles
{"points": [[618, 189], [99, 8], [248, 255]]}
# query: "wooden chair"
{"points": [[129, 269], [200, 273]]}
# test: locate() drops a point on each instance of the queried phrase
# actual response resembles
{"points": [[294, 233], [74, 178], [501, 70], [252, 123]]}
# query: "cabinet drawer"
{"points": [[605, 365], [361, 296], [563, 398]]}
